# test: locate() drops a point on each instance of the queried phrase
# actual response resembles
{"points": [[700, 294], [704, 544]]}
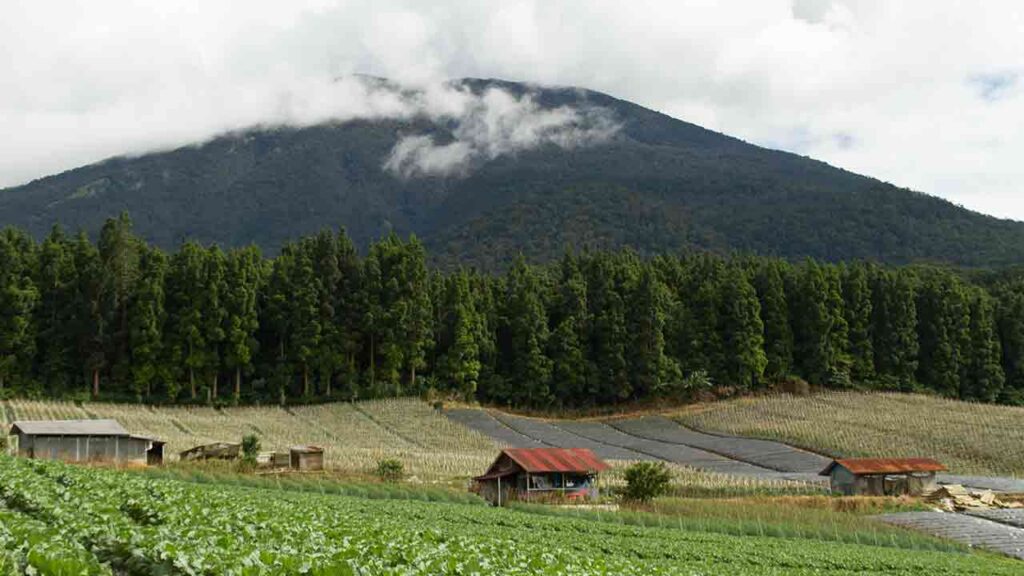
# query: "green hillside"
{"points": [[659, 185]]}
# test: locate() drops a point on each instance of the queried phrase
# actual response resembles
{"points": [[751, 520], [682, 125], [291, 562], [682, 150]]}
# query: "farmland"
{"points": [[968, 438], [354, 436], [62, 519]]}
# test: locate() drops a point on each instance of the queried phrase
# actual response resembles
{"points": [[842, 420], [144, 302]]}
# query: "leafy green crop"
{"points": [[60, 519]]}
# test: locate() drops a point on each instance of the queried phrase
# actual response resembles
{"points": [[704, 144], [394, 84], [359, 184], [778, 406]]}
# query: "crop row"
{"points": [[130, 523], [969, 438]]}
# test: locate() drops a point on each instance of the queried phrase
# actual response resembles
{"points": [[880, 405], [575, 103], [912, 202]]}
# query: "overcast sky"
{"points": [[926, 95]]}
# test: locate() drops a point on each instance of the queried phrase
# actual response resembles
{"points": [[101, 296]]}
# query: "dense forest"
{"points": [[120, 319], [658, 186]]}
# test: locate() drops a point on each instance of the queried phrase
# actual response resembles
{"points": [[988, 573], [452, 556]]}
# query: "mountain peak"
{"points": [[493, 168]]}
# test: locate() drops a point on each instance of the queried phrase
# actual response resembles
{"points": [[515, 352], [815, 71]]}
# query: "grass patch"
{"points": [[819, 518]]}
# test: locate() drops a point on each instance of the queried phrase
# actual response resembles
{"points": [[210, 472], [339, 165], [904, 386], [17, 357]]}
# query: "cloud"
{"points": [[494, 124], [994, 86], [916, 94]]}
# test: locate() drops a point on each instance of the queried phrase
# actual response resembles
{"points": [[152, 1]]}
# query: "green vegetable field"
{"points": [[63, 520]]}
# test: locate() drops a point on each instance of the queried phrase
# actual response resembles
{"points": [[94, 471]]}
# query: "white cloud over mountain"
{"points": [[925, 95]]}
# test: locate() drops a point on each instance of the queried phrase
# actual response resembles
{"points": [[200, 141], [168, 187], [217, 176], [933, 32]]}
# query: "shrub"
{"points": [[697, 381], [390, 470], [796, 386], [646, 481], [250, 449]]}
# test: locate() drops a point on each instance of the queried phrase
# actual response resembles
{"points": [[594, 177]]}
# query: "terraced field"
{"points": [[651, 438], [969, 438], [354, 436], [763, 453]]}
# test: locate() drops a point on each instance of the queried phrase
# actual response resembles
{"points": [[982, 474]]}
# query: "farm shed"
{"points": [[274, 460], [213, 451], [883, 476], [307, 457], [85, 441], [538, 473]]}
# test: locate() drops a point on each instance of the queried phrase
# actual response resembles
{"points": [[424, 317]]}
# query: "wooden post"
{"points": [[499, 491]]}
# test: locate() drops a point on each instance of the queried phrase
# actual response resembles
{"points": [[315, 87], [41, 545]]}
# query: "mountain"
{"points": [[657, 184]]}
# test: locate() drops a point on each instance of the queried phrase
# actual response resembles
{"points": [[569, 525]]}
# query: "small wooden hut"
{"points": [[307, 458], [540, 473], [883, 476], [85, 441], [274, 460]]}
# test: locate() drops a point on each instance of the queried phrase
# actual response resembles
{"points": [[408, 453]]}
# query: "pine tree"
{"points": [[943, 322], [214, 318], [416, 326], [857, 308], [653, 371], [744, 359], [351, 299], [18, 298], [525, 327], [88, 324], [371, 323], [702, 344], [778, 337], [819, 328], [894, 329], [55, 281], [277, 308], [459, 361], [330, 355], [608, 376], [566, 345], [185, 297], [243, 283], [983, 379], [119, 251], [294, 317], [1010, 326], [146, 324]]}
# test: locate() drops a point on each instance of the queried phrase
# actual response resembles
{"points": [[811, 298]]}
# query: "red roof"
{"points": [[541, 460], [885, 465]]}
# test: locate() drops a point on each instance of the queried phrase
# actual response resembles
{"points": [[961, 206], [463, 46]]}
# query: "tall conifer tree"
{"points": [[146, 324], [778, 336]]}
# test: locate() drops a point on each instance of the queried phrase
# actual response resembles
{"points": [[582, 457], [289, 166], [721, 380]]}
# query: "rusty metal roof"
{"points": [[885, 465], [542, 460], [69, 428]]}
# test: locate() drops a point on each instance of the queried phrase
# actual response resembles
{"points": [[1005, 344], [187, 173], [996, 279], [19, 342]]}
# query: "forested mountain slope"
{"points": [[657, 185]]}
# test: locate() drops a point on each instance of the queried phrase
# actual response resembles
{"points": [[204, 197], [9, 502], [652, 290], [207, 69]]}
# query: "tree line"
{"points": [[120, 319]]}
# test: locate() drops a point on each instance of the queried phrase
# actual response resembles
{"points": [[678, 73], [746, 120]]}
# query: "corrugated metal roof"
{"points": [[885, 465], [307, 449], [69, 428], [541, 460]]}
